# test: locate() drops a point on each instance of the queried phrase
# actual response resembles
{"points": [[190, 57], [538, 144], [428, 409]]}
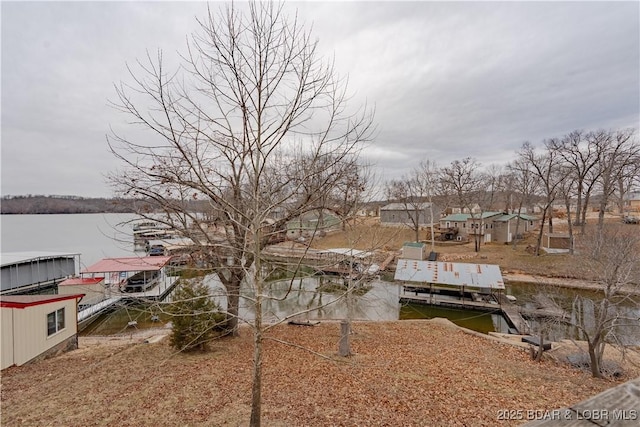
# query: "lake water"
{"points": [[97, 236], [94, 236]]}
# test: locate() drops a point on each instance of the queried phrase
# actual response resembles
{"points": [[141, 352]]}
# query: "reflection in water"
{"points": [[471, 319], [310, 299], [301, 297], [627, 329]]}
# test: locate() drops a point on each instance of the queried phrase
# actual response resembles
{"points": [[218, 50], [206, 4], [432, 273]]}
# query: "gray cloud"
{"points": [[448, 80]]}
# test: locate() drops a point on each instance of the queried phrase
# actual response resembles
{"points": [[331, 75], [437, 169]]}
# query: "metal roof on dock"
{"points": [[12, 258], [450, 273]]}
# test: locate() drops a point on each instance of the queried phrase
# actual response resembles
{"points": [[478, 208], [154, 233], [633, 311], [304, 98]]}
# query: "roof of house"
{"points": [[508, 217], [23, 301], [450, 273], [109, 265], [404, 206], [466, 216], [82, 281], [456, 217]]}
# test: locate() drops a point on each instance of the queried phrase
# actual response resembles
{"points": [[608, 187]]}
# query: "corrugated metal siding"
{"points": [[7, 338], [450, 273], [36, 271], [30, 329]]}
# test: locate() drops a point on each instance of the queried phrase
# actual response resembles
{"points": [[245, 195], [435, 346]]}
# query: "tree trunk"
{"points": [[569, 224], [256, 388], [344, 348], [540, 348], [233, 301], [515, 237], [594, 360], [539, 242]]}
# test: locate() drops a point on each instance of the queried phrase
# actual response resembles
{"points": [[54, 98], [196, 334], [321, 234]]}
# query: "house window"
{"points": [[55, 321], [464, 225]]}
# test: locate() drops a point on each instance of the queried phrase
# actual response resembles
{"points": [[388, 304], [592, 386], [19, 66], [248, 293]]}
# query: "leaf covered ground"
{"points": [[409, 373]]}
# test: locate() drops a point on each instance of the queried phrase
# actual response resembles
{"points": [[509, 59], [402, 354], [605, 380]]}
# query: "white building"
{"points": [[37, 326]]}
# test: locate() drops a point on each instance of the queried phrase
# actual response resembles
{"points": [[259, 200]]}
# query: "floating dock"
{"points": [[462, 285]]}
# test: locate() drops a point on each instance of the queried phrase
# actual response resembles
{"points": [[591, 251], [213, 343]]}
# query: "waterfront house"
{"points": [[315, 223], [468, 225], [504, 227], [492, 226], [37, 326], [405, 213]]}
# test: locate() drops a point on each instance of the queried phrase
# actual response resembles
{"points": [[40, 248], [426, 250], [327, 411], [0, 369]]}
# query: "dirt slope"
{"points": [[402, 373]]}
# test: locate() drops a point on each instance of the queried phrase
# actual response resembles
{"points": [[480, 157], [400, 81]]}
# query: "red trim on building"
{"points": [[24, 301]]}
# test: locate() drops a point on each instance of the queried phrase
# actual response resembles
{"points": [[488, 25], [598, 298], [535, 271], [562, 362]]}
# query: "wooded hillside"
{"points": [[37, 204]]}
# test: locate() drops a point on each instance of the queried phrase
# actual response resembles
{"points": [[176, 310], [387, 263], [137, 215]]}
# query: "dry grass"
{"points": [[370, 235], [402, 373]]}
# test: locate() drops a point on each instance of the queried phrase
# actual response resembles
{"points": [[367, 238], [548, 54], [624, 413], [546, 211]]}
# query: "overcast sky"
{"points": [[448, 79]]}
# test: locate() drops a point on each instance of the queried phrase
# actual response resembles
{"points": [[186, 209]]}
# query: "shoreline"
{"points": [[567, 283]]}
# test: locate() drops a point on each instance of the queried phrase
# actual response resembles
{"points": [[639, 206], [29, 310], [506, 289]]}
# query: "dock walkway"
{"points": [[158, 293]]}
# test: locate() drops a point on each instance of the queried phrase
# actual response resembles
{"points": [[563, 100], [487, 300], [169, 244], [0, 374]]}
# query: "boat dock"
{"points": [[497, 304], [513, 314], [157, 293], [112, 276]]}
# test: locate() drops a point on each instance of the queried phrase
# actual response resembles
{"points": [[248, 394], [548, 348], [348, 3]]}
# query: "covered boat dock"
{"points": [[461, 285], [116, 273], [28, 272]]}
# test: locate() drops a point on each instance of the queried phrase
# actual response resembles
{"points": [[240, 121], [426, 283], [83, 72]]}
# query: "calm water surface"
{"points": [[94, 236]]}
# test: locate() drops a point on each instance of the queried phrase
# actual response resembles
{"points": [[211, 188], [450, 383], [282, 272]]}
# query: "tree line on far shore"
{"points": [[41, 204]]}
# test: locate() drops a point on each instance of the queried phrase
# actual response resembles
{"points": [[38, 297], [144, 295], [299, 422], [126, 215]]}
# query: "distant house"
{"points": [[314, 223], [37, 326], [492, 226], [468, 224], [370, 209], [504, 227], [632, 202], [405, 213]]}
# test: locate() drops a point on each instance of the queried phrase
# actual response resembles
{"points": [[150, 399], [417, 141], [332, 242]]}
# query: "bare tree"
{"points": [[253, 122], [617, 157], [611, 257], [580, 154], [414, 193], [464, 182], [546, 170], [525, 186]]}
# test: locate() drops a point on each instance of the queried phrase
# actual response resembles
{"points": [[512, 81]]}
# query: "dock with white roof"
{"points": [[462, 285]]}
